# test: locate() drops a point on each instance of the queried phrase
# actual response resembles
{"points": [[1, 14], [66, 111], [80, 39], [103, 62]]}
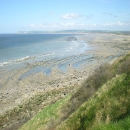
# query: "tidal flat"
{"points": [[21, 82]]}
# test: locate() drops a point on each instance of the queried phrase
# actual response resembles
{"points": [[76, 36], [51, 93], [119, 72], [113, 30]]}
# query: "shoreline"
{"points": [[103, 48]]}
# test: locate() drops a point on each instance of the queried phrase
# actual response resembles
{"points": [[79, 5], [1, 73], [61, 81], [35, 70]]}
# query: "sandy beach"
{"points": [[16, 89]]}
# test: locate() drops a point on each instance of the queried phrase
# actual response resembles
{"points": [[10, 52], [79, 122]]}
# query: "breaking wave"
{"points": [[15, 61]]}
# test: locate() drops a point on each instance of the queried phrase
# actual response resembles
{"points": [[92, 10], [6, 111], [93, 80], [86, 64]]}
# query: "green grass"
{"points": [[27, 109], [110, 103], [47, 115], [123, 124], [101, 103], [19, 115]]}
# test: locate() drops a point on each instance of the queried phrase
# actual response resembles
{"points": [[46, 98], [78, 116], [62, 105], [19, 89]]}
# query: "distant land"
{"points": [[51, 32], [73, 32]]}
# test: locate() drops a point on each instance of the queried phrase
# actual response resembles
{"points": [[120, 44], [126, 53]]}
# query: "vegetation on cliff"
{"points": [[101, 103]]}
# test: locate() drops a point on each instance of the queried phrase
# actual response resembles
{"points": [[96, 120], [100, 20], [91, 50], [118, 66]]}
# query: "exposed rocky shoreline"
{"points": [[15, 90]]}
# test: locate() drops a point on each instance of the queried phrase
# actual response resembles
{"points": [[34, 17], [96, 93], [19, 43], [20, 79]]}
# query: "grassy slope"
{"points": [[48, 114], [16, 117], [107, 109], [110, 103]]}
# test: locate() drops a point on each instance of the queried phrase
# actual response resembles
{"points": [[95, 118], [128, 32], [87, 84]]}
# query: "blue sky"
{"points": [[51, 15]]}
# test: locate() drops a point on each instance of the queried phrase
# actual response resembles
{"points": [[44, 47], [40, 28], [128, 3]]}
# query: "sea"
{"points": [[16, 49]]}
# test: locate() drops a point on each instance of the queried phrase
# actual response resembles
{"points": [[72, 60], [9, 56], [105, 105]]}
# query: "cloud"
{"points": [[78, 25], [70, 16], [108, 24], [60, 25], [120, 23], [117, 24], [32, 25]]}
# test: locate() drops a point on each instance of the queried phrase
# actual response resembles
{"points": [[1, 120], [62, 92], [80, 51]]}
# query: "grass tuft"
{"points": [[109, 104]]}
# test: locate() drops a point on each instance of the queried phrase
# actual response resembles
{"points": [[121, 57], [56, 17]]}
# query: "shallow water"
{"points": [[16, 48], [55, 50]]}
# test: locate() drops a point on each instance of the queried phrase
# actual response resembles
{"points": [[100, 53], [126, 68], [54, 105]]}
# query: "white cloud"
{"points": [[116, 24], [108, 24], [76, 25], [70, 16], [32, 25], [62, 25], [121, 23]]}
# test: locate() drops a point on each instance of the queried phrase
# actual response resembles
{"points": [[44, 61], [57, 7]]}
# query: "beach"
{"points": [[17, 86]]}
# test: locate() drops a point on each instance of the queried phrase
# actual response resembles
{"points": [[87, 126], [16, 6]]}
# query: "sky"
{"points": [[53, 15]]}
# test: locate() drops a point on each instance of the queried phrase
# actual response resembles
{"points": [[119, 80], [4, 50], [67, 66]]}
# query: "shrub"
{"points": [[101, 75], [51, 125], [88, 88], [124, 67]]}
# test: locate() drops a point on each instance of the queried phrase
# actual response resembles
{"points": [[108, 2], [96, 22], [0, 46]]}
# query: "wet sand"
{"points": [[102, 48]]}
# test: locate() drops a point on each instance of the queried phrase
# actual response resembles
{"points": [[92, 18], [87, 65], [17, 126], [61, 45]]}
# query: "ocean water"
{"points": [[20, 48]]}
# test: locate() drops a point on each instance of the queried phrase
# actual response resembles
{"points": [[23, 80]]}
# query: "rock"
{"points": [[4, 126], [71, 39]]}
